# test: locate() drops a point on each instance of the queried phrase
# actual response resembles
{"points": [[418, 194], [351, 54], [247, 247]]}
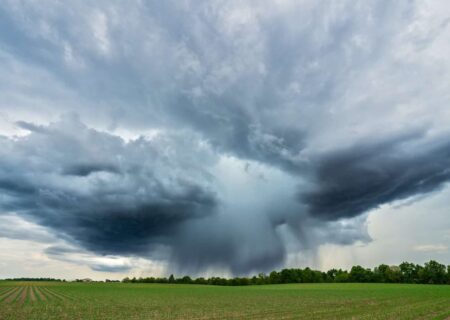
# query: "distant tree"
{"points": [[35, 279], [274, 277], [307, 275], [448, 274], [200, 281], [380, 272], [433, 272], [185, 280], [262, 279], [385, 273], [342, 276], [331, 275], [409, 272], [287, 276], [393, 274], [359, 274]]}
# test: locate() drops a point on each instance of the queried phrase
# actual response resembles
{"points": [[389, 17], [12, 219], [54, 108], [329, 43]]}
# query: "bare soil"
{"points": [[40, 295], [32, 295]]}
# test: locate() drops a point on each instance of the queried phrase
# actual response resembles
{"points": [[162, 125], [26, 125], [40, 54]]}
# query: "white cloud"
{"points": [[438, 248], [99, 25]]}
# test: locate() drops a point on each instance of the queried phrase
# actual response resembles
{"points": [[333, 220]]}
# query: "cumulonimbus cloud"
{"points": [[325, 100], [356, 179], [109, 195], [160, 197]]}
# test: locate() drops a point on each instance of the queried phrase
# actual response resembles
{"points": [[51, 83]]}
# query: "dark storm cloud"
{"points": [[360, 178], [238, 246], [87, 169], [155, 198], [125, 198], [13, 186], [112, 228]]}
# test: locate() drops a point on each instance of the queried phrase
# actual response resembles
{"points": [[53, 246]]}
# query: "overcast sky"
{"points": [[222, 137]]}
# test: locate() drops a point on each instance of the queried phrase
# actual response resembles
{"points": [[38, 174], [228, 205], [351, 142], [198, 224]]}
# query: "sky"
{"points": [[144, 138]]}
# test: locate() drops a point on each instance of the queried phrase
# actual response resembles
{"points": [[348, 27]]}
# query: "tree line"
{"points": [[35, 279], [431, 273]]}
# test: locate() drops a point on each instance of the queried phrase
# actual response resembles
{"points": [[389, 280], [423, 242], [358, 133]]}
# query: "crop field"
{"points": [[50, 300]]}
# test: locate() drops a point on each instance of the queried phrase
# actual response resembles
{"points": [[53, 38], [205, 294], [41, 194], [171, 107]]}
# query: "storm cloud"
{"points": [[223, 135], [109, 195], [360, 178]]}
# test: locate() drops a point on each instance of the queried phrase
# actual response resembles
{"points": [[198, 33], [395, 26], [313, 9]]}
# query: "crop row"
{"points": [[30, 294]]}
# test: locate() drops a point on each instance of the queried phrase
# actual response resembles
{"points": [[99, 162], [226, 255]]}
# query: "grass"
{"points": [[37, 300]]}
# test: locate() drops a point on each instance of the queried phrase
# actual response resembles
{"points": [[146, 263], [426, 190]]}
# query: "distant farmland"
{"points": [[52, 300]]}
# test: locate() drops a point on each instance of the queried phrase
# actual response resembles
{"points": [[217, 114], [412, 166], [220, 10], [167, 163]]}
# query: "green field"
{"points": [[37, 300]]}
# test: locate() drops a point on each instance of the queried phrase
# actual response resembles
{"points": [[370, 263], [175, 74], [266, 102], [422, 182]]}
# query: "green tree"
{"points": [[409, 272], [274, 277], [380, 273], [331, 275], [433, 272], [186, 280], [448, 274], [341, 276], [359, 274]]}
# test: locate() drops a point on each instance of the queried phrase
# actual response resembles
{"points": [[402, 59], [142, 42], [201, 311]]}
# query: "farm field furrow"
{"points": [[49, 300], [40, 295]]}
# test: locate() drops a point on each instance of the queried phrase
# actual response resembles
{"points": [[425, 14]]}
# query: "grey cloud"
{"points": [[87, 169], [58, 250], [162, 202], [30, 126], [297, 87], [13, 227], [196, 69], [79, 256], [354, 180], [107, 268], [107, 211], [15, 187], [238, 245]]}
